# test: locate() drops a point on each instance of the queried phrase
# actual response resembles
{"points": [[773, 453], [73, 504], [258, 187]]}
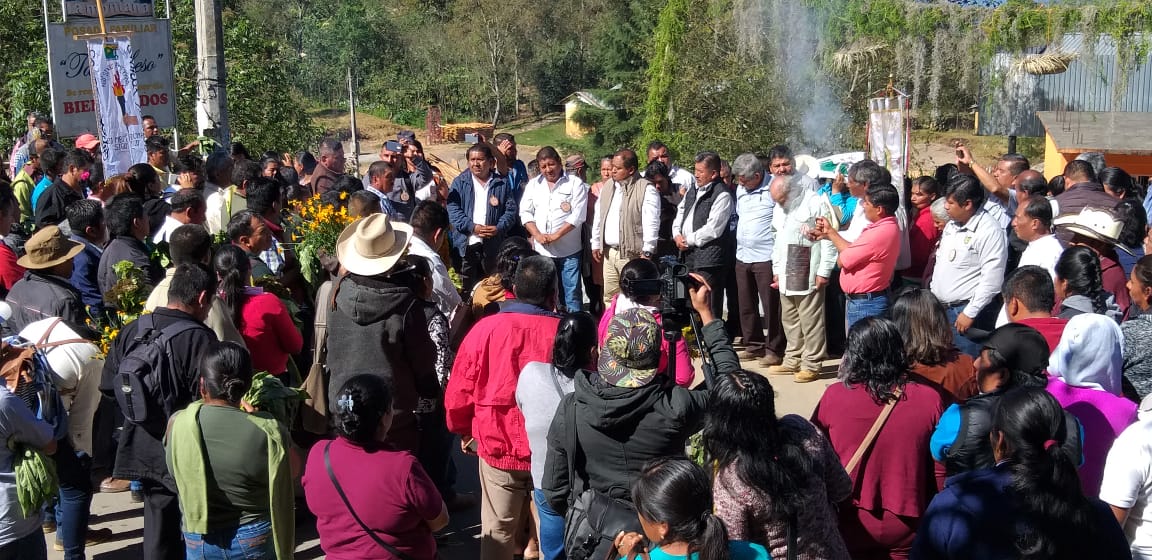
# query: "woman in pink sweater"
{"points": [[263, 320], [641, 273]]}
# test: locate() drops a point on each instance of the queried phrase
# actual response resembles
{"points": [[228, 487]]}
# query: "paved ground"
{"points": [[459, 542]]}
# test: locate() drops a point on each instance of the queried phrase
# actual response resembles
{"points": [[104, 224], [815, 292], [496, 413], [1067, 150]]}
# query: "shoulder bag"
{"points": [[872, 433], [332, 476]]}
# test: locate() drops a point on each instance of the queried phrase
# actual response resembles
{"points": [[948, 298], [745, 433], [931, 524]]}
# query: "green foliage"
{"points": [[658, 109], [23, 63]]}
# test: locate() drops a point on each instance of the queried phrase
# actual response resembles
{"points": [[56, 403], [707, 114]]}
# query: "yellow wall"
{"points": [[1055, 160], [571, 128]]}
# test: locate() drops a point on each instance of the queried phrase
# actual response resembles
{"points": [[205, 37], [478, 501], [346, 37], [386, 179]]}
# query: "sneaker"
{"points": [[94, 537], [138, 496], [49, 526], [782, 370], [806, 376], [749, 355], [770, 360]]}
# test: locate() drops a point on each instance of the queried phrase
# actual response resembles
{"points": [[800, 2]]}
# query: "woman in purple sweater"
{"points": [[1085, 376], [892, 485]]}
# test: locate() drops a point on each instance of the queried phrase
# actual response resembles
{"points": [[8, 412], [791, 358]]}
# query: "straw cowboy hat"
{"points": [[371, 246], [48, 248], [1095, 223]]}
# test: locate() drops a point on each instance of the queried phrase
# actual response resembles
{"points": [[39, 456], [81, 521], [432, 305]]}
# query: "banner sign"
{"points": [[117, 104], [889, 129], [73, 105], [112, 8]]}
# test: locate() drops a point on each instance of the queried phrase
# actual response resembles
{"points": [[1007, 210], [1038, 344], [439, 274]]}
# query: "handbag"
{"points": [[332, 476], [593, 518]]}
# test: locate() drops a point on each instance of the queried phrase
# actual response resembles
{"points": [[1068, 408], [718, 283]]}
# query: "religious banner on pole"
{"points": [[117, 104], [888, 139]]}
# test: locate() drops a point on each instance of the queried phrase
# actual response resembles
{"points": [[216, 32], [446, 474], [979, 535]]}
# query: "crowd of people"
{"points": [[163, 339]]}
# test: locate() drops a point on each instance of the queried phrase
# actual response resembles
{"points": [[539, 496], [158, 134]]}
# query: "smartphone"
{"points": [[393, 146], [471, 138]]}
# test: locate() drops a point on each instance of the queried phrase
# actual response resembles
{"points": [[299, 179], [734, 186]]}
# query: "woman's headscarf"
{"points": [[1089, 354]]}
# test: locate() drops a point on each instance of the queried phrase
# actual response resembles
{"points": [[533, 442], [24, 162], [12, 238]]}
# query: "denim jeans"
{"points": [[30, 547], [251, 542], [74, 504], [568, 274], [962, 342], [858, 309], [551, 528]]}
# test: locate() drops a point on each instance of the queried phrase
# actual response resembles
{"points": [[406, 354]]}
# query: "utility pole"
{"points": [[352, 110], [211, 99]]}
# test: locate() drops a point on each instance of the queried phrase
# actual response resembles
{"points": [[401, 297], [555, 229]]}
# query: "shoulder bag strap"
{"points": [[872, 433], [332, 476], [573, 448], [793, 548], [552, 372]]}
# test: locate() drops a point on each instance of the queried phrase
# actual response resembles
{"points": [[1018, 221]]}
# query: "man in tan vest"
{"points": [[627, 222]]}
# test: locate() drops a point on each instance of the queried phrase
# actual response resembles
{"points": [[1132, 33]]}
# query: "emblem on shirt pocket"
{"points": [[494, 201], [565, 206]]}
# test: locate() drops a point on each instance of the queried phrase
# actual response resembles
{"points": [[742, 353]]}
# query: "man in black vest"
{"points": [[701, 226]]}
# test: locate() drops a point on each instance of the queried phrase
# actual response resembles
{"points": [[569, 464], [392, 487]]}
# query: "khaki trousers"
{"points": [[504, 511], [614, 261], [803, 320]]}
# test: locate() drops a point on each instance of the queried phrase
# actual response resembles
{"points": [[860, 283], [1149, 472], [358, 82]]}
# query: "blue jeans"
{"points": [[30, 547], [568, 273], [962, 342], [858, 309], [251, 542], [551, 528], [72, 509]]}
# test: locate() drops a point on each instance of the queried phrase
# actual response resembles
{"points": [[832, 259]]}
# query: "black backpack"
{"points": [[147, 386]]}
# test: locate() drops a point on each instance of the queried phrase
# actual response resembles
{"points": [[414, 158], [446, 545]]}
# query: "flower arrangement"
{"points": [[126, 301], [319, 227]]}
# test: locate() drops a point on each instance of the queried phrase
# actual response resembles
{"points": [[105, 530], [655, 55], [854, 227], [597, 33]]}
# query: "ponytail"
{"points": [[677, 491], [1056, 519], [233, 269], [713, 540]]}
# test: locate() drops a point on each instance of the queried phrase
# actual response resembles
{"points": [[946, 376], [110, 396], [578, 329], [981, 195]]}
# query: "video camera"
{"points": [[672, 287]]}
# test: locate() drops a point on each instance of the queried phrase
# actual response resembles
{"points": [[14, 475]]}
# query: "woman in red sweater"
{"points": [[264, 322]]}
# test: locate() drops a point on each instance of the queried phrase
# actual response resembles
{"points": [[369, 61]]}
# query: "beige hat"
{"points": [[371, 246], [48, 248], [1095, 223]]}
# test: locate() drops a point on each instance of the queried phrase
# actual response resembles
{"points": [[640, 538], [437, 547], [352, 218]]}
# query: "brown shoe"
{"points": [[94, 537], [747, 355], [782, 370], [770, 360], [113, 485], [806, 376]]}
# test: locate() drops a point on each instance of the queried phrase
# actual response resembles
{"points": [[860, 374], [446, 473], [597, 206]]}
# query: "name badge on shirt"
{"points": [[404, 196], [565, 206], [494, 201]]}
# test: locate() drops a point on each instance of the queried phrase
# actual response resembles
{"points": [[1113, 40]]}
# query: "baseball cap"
{"points": [[1023, 348], [574, 162], [87, 141], [631, 353]]}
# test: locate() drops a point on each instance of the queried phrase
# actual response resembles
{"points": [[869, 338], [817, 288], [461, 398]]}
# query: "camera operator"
{"points": [[627, 412]]}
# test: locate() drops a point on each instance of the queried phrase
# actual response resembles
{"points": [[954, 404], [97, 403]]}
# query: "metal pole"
{"points": [[211, 100], [352, 111], [1011, 144]]}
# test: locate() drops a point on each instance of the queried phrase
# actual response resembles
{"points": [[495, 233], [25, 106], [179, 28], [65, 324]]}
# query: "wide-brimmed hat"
{"points": [[48, 248], [87, 141], [631, 353], [371, 246], [1095, 223]]}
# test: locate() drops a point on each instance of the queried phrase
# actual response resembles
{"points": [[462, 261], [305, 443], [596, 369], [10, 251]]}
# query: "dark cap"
{"points": [[1023, 348], [406, 136]]}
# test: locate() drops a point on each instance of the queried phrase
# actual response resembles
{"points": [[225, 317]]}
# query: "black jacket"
{"points": [[51, 205], [140, 453], [378, 327], [620, 429], [39, 296], [129, 249]]}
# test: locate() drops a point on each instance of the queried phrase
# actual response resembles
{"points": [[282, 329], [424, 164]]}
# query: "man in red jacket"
{"points": [[480, 401]]}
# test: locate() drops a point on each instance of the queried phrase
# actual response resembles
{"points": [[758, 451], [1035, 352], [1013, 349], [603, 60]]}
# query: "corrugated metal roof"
{"points": [[1012, 100]]}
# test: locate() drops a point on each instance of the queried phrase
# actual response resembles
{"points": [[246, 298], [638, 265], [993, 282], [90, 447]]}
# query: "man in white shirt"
{"points": [[627, 223], [231, 200], [700, 227], [1127, 484], [188, 207], [429, 228], [755, 240], [681, 178], [1033, 225], [969, 262], [553, 209], [1001, 203]]}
